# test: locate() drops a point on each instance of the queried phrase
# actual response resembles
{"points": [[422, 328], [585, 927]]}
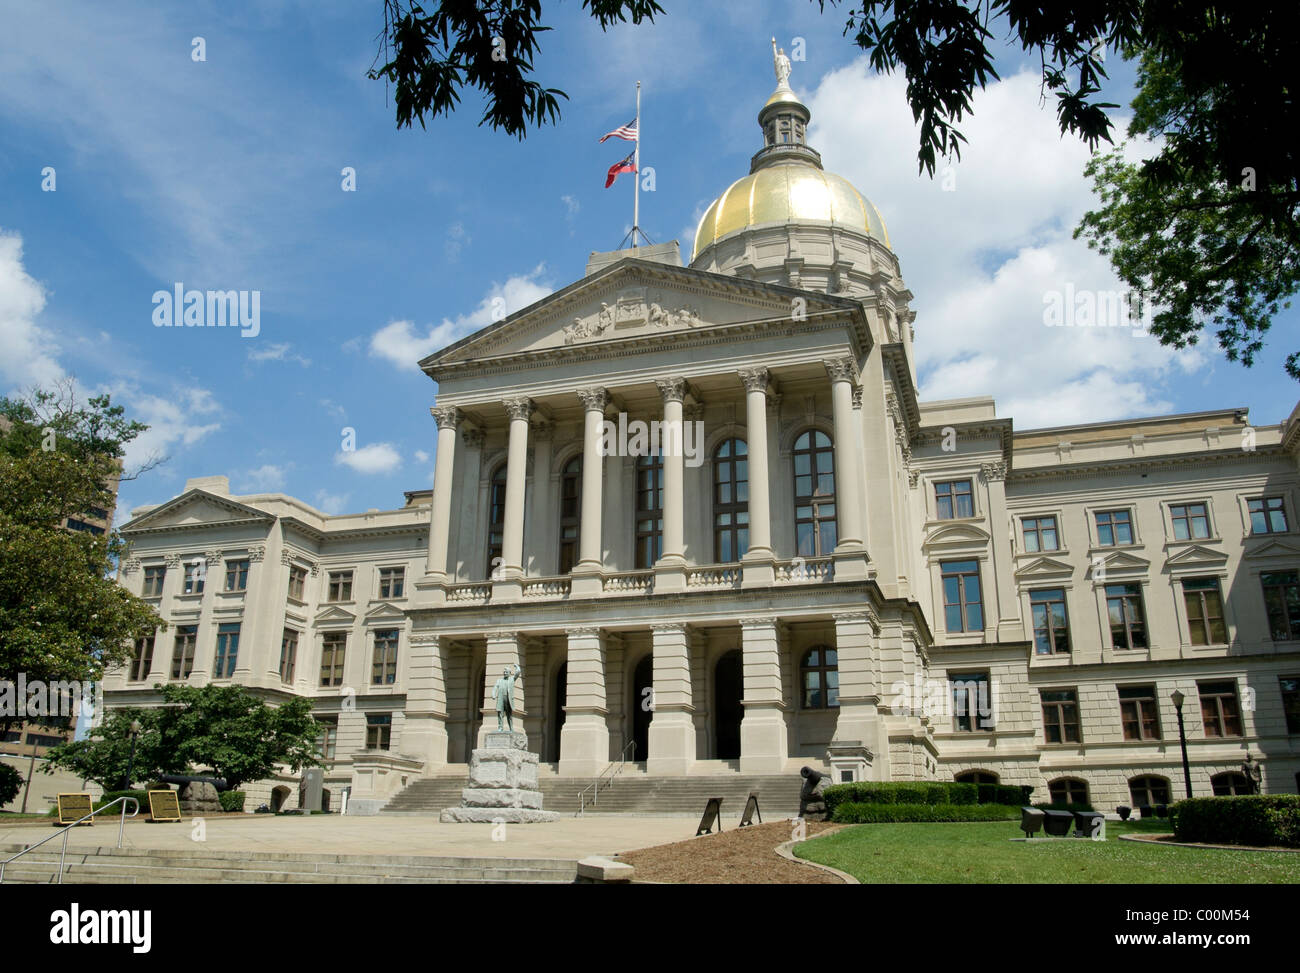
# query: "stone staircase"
{"points": [[633, 792], [111, 866]]}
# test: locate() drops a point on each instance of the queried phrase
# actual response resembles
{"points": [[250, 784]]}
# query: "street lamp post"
{"points": [[1178, 698], [130, 766]]}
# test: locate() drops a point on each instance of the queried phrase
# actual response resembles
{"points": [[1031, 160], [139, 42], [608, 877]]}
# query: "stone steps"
{"points": [[137, 866]]}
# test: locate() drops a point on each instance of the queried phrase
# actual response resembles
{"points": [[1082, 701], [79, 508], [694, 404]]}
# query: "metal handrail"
{"points": [[615, 766], [68, 827]]}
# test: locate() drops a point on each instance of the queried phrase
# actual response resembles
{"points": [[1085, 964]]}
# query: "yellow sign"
{"points": [[164, 806], [74, 806]]}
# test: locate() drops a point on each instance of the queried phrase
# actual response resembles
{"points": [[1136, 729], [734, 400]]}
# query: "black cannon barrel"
{"points": [[218, 782]]}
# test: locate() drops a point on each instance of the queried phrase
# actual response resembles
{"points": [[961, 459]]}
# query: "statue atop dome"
{"points": [[781, 64]]}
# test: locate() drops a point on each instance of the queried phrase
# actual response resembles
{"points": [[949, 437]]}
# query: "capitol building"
{"points": [[801, 563]]}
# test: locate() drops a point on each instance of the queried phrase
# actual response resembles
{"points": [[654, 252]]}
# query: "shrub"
{"points": [[859, 812], [231, 800], [1004, 794], [900, 792], [11, 782], [1065, 807], [1260, 820]]}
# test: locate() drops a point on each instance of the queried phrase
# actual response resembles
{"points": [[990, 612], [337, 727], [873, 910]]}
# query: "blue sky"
{"points": [[226, 174]]}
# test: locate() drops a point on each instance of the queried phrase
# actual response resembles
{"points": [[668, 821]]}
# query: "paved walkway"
{"points": [[568, 838]]}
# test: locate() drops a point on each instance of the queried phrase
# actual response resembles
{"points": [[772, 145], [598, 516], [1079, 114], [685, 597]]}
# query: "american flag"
{"points": [[626, 132]]}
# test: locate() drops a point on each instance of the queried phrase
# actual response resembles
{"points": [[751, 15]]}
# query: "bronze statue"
{"points": [[1251, 771], [503, 695]]}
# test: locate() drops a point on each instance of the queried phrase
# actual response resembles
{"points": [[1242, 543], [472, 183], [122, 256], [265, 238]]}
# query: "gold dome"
{"points": [[788, 194]]}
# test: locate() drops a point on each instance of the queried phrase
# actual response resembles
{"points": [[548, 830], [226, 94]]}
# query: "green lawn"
{"points": [[983, 853]]}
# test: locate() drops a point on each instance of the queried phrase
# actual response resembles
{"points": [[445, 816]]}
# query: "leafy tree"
{"points": [[11, 782], [219, 731], [62, 616], [1206, 229]]}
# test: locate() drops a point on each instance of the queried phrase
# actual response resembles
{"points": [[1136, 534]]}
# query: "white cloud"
{"points": [[333, 408], [457, 240], [277, 352], [173, 421], [981, 258], [29, 351], [375, 458], [267, 478], [331, 503], [402, 344], [421, 456]]}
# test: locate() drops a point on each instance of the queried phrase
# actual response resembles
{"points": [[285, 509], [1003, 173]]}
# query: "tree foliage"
{"points": [[222, 731], [11, 783]]}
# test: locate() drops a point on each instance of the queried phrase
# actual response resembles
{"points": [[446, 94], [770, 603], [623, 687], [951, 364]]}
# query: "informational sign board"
{"points": [[164, 806], [751, 808], [74, 806], [711, 812]]}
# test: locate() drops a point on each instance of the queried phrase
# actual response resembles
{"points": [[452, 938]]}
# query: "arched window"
{"points": [[649, 509], [821, 678], [1230, 783], [1148, 791], [814, 494], [1068, 790], [976, 777], [730, 501], [496, 518], [570, 513]]}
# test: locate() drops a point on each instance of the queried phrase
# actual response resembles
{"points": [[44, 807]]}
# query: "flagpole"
{"points": [[636, 173]]}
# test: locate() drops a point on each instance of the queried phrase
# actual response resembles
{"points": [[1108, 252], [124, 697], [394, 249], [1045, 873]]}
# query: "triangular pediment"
{"points": [[1045, 567], [385, 612], [1196, 555], [635, 301], [333, 613], [197, 508], [1274, 549], [957, 534], [1121, 562]]}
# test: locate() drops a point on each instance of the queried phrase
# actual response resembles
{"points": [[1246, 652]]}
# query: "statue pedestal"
{"points": [[502, 784]]}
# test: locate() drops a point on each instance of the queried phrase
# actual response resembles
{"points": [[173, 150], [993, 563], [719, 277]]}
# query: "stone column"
{"points": [[672, 724], [858, 740], [540, 551], [440, 510], [520, 411], [591, 561], [584, 738], [424, 734], [670, 573], [504, 650], [1010, 626], [763, 738], [758, 569], [850, 560]]}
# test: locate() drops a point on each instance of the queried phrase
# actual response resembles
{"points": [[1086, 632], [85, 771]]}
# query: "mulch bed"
{"points": [[742, 856]]}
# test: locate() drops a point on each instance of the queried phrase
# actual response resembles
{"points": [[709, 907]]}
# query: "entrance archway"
{"points": [[728, 690], [279, 795], [559, 693], [642, 680]]}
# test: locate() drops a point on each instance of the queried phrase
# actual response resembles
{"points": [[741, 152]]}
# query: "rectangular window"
{"points": [[340, 588], [1138, 713], [333, 649], [1191, 521], [972, 703], [1204, 605], [384, 668], [1291, 702], [952, 499], [237, 575], [1219, 711], [379, 731], [183, 651], [85, 528], [391, 582], [143, 660], [327, 737], [1040, 534], [1267, 515], [288, 655], [962, 609], [1051, 628], [1060, 716], [1282, 602], [153, 581], [297, 582], [1114, 527], [196, 573], [227, 650], [1128, 628]]}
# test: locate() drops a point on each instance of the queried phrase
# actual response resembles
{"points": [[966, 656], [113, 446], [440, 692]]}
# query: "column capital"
{"points": [[866, 614], [841, 369], [448, 416], [857, 396], [671, 628], [672, 389], [993, 471], [520, 407], [754, 379], [581, 630], [594, 398], [502, 636], [473, 437], [543, 429]]}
